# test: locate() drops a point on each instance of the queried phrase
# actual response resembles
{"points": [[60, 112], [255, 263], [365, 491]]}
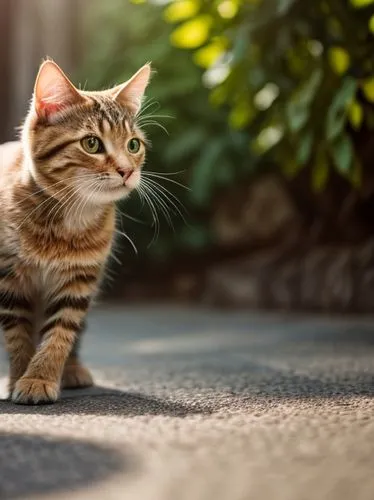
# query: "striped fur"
{"points": [[57, 222]]}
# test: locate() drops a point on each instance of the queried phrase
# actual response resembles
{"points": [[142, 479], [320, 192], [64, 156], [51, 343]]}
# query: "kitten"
{"points": [[79, 153]]}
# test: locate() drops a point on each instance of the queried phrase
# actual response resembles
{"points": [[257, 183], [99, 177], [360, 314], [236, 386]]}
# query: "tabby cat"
{"points": [[79, 153]]}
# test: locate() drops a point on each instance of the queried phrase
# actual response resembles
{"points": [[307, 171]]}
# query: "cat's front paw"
{"points": [[32, 391], [76, 376]]}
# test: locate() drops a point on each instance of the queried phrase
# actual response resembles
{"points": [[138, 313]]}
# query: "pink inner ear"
{"points": [[53, 91], [131, 93], [46, 109]]}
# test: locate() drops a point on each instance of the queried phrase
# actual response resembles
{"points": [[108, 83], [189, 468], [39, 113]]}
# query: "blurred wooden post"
{"points": [[41, 28], [5, 63]]}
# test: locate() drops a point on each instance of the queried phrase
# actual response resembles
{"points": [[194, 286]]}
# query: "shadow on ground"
{"points": [[105, 401], [238, 387], [32, 464]]}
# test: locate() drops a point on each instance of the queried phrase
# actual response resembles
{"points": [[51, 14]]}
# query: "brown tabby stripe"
{"points": [[7, 255], [78, 303], [106, 112], [5, 271], [10, 300], [84, 278], [64, 167], [53, 151], [8, 320], [62, 323]]}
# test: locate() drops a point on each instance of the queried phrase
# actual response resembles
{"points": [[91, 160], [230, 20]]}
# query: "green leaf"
{"points": [[308, 91], [355, 114], [305, 148], [297, 115], [218, 96], [342, 152], [339, 60], [241, 115], [183, 9], [336, 119], [336, 114], [192, 34], [298, 109], [240, 46], [228, 8], [208, 55]]}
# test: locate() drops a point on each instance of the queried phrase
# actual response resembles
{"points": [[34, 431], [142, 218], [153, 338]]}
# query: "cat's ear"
{"points": [[53, 91], [130, 93]]}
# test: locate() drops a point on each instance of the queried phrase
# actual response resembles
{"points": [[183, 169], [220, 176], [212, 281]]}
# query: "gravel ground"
{"points": [[203, 405]]}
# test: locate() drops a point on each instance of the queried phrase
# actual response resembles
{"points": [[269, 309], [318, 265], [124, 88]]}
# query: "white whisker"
{"points": [[166, 173], [48, 200], [56, 208], [156, 221], [157, 176], [130, 217], [168, 196], [151, 123], [163, 206], [128, 239], [78, 177], [152, 116], [85, 200], [151, 102]]}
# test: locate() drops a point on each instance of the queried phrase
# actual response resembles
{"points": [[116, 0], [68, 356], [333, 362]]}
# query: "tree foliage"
{"points": [[298, 76], [249, 84]]}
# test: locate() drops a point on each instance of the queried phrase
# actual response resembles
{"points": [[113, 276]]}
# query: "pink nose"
{"points": [[125, 173]]}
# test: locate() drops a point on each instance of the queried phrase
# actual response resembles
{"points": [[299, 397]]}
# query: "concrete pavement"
{"points": [[203, 405]]}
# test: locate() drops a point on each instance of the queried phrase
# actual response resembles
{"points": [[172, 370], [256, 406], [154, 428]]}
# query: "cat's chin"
{"points": [[111, 195]]}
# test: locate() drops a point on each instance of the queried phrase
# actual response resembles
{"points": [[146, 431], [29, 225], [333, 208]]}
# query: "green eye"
{"points": [[92, 145], [133, 146]]}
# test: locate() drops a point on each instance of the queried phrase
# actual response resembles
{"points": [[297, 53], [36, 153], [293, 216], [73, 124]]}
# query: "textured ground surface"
{"points": [[203, 405]]}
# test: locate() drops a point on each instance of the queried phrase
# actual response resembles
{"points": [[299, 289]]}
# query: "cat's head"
{"points": [[85, 144]]}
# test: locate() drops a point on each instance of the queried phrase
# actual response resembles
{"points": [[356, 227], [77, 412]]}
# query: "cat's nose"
{"points": [[125, 173]]}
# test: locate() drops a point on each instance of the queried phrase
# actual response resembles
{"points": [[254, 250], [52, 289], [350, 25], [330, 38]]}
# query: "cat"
{"points": [[79, 153]]}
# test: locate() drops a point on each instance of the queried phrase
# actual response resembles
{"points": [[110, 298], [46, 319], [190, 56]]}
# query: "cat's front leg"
{"points": [[65, 314], [76, 375], [16, 318], [18, 340]]}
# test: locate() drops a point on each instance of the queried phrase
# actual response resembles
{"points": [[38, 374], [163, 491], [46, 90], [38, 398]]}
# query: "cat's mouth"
{"points": [[109, 187], [113, 188]]}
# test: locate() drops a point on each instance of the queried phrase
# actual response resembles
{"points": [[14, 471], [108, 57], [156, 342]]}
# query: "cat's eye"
{"points": [[92, 145], [133, 145]]}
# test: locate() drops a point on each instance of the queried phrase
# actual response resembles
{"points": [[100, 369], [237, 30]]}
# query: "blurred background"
{"points": [[261, 116]]}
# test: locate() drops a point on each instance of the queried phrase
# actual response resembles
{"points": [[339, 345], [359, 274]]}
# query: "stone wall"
{"points": [[326, 278]]}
